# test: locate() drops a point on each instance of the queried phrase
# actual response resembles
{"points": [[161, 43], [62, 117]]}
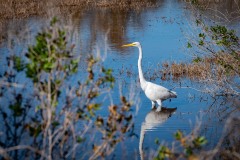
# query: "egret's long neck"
{"points": [[141, 77]]}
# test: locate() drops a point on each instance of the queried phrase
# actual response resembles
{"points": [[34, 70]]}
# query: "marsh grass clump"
{"points": [[218, 73], [217, 67]]}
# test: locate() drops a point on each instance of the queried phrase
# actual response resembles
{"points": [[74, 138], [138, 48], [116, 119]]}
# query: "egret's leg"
{"points": [[159, 102], [153, 104]]}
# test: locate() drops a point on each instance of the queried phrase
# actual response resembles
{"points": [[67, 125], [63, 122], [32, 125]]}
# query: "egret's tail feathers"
{"points": [[173, 94]]}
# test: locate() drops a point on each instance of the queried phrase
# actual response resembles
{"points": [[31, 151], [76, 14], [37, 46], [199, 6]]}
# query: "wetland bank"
{"points": [[69, 90]]}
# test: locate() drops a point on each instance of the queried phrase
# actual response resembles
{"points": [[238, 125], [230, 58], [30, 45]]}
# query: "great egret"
{"points": [[154, 92]]}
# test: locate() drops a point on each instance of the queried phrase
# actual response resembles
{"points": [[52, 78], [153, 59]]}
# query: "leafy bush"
{"points": [[45, 124]]}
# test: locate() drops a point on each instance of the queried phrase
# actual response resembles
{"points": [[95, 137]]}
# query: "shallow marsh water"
{"points": [[163, 32]]}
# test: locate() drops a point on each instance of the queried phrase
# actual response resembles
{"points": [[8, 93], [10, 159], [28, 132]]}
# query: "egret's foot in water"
{"points": [[153, 104], [159, 108], [159, 102]]}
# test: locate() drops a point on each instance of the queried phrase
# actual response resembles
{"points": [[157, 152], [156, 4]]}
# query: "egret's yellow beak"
{"points": [[128, 45]]}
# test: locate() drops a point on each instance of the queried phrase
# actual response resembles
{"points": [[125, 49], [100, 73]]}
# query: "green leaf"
{"points": [[48, 66], [53, 21], [75, 61], [55, 104], [37, 108], [157, 141], [188, 151], [196, 60], [178, 135], [16, 108], [189, 45], [80, 139], [201, 43], [96, 106], [35, 131], [198, 22], [18, 63], [202, 35], [55, 123], [199, 141]]}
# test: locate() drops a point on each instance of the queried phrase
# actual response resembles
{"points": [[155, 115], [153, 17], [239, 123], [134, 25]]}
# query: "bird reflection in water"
{"points": [[152, 120]]}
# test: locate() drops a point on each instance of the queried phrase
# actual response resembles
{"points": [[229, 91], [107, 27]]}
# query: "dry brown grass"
{"points": [[25, 8], [20, 9], [216, 67]]}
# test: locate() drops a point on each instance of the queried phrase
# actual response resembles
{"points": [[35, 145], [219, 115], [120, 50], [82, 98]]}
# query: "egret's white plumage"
{"points": [[154, 92]]}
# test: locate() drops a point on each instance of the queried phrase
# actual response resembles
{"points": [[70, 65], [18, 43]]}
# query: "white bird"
{"points": [[154, 92]]}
